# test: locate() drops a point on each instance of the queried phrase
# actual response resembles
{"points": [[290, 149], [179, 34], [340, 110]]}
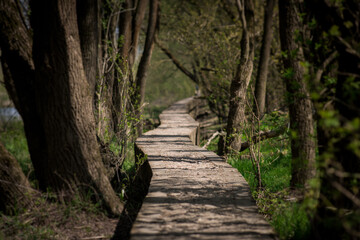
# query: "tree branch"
{"points": [[263, 136], [212, 138], [176, 62], [327, 61]]}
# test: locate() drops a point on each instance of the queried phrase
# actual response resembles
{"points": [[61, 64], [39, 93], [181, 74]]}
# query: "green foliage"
{"points": [[13, 137], [334, 31], [165, 85], [210, 51], [275, 166], [23, 230], [291, 221]]}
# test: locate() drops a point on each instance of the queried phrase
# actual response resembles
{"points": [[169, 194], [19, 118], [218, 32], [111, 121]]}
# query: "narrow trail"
{"points": [[193, 193]]}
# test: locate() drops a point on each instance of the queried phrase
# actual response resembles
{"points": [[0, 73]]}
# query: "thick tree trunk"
{"points": [[19, 77], [240, 83], [64, 103], [15, 189], [261, 78], [88, 16], [145, 61], [300, 106]]}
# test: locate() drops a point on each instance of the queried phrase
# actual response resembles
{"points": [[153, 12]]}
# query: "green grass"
{"points": [[47, 219], [275, 171], [290, 219], [129, 162], [12, 135]]}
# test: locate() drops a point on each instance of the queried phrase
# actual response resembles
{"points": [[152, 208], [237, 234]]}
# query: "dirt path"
{"points": [[193, 193]]}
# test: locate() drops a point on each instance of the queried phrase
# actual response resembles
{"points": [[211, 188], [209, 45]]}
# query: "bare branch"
{"points": [[324, 65], [346, 192], [263, 136], [212, 138], [349, 48], [176, 62]]}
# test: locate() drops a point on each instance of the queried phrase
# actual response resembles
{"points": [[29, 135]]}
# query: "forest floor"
{"points": [[46, 220]]}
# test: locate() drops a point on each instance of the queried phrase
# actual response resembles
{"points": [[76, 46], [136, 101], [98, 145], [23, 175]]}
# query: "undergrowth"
{"points": [[47, 218], [12, 135], [286, 209]]}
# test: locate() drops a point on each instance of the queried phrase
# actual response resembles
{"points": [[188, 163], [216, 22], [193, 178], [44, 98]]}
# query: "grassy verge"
{"points": [[286, 209]]}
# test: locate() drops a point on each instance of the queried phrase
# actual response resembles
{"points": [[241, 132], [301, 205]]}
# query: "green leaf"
{"points": [[334, 31], [348, 24]]}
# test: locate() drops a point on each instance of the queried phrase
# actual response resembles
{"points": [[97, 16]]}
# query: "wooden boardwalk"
{"points": [[193, 193]]}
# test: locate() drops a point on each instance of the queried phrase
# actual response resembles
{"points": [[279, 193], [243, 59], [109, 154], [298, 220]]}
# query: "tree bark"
{"points": [[137, 22], [300, 106], [261, 78], [125, 29], [64, 103], [87, 17], [19, 76], [240, 83], [109, 41], [15, 189], [125, 74], [145, 61]]}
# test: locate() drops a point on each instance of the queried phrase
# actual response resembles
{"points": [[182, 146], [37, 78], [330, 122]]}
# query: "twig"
{"points": [[212, 138], [324, 65], [95, 237], [349, 48], [346, 192]]}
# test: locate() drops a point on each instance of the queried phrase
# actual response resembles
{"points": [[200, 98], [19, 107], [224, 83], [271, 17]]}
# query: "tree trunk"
{"points": [[87, 17], [105, 107], [15, 189], [240, 83], [124, 74], [300, 106], [64, 103], [145, 61], [261, 78], [19, 77], [125, 30], [137, 22]]}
